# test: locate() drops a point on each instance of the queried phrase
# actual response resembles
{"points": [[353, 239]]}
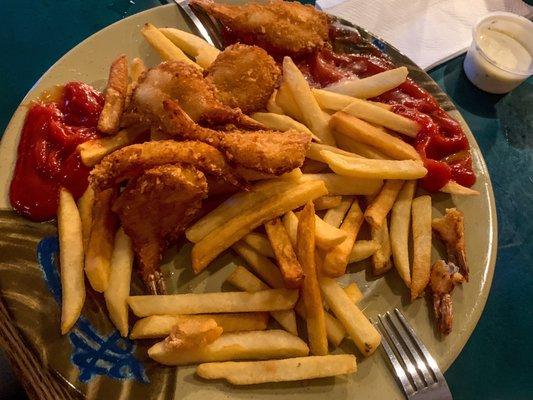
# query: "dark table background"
{"points": [[496, 363]]}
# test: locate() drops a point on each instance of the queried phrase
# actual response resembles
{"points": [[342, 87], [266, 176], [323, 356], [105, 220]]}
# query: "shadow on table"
{"points": [[465, 94], [513, 110]]}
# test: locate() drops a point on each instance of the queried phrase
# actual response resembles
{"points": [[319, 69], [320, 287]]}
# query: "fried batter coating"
{"points": [[155, 208], [245, 77], [443, 279], [286, 28], [185, 84], [450, 230], [266, 151], [131, 161]]}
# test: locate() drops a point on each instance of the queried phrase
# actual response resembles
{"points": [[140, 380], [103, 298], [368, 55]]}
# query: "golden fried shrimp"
{"points": [[286, 28], [178, 81], [245, 77], [265, 151], [154, 209], [131, 161]]}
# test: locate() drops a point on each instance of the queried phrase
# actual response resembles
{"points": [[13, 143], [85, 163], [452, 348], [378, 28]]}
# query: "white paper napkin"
{"points": [[429, 32]]}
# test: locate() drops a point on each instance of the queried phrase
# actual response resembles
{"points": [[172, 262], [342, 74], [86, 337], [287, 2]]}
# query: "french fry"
{"points": [[192, 45], [223, 237], [193, 333], [115, 96], [137, 68], [327, 236], [259, 243], [336, 101], [100, 247], [272, 107], [372, 86], [85, 207], [289, 266], [235, 205], [167, 50], [364, 150], [290, 222], [327, 202], [315, 149], [245, 280], [338, 185], [234, 346], [314, 310], [334, 329], [421, 222], [282, 123], [362, 249], [454, 188], [157, 326], [334, 216], [381, 259], [336, 259], [261, 265], [376, 212], [70, 260], [372, 113], [312, 115], [360, 329], [92, 151], [363, 132], [353, 292], [291, 369], [374, 169], [117, 292], [399, 230], [217, 302], [285, 101]]}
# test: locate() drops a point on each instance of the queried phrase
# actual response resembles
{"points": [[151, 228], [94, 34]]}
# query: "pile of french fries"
{"points": [[295, 234]]}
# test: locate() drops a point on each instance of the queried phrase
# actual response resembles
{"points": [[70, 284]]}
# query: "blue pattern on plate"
{"points": [[94, 354], [379, 44], [112, 356]]}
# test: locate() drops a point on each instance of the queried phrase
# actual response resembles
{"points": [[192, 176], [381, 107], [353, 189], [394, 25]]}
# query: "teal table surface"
{"points": [[496, 363]]}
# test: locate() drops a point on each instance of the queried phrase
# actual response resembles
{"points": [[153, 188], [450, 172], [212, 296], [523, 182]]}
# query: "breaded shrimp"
{"points": [[154, 209], [286, 28], [245, 77], [131, 161]]}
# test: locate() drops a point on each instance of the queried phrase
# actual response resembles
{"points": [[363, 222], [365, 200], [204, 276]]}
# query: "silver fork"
{"points": [[416, 370], [207, 27]]}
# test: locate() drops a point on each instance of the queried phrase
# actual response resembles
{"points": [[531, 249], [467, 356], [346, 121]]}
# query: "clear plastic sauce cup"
{"points": [[501, 55]]}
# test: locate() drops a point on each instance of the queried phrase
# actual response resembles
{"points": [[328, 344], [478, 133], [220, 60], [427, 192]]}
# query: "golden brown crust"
{"points": [[245, 77], [156, 207], [287, 28]]}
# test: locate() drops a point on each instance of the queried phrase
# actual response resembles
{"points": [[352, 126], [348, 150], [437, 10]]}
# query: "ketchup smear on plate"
{"points": [[47, 157], [441, 141]]}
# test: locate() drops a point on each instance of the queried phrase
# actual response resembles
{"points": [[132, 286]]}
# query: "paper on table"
{"points": [[429, 32]]}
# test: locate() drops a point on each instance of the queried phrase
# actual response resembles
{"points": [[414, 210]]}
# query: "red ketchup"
{"points": [[441, 141], [47, 157]]}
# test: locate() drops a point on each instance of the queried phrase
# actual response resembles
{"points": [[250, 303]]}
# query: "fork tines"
{"points": [[415, 368]]}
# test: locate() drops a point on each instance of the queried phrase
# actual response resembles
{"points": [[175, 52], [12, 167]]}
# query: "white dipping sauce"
{"points": [[505, 50], [501, 54]]}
